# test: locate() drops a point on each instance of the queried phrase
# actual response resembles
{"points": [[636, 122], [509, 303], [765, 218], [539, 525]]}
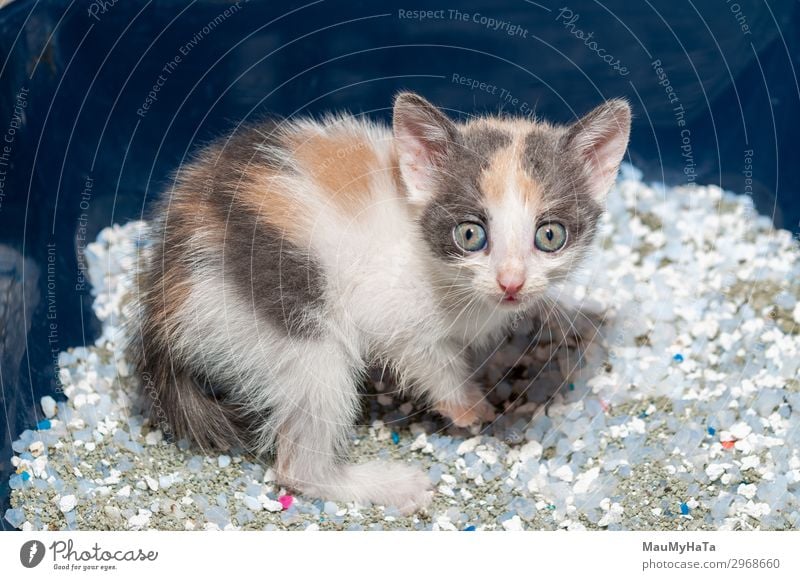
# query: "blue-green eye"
{"points": [[470, 236], [550, 237]]}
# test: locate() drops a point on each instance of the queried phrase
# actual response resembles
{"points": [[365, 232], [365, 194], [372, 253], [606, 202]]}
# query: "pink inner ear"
{"points": [[415, 163], [601, 138], [417, 160], [422, 135], [604, 151], [606, 154]]}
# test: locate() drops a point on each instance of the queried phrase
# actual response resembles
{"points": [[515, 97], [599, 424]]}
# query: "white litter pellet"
{"points": [[271, 505], [48, 406], [468, 445], [748, 490], [531, 450], [715, 470], [513, 524], [154, 437], [740, 430], [584, 480], [140, 520], [67, 503], [564, 473]]}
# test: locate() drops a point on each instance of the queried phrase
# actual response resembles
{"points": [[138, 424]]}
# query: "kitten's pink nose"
{"points": [[510, 283]]}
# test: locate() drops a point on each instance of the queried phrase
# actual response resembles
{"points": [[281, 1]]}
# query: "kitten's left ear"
{"points": [[601, 138], [423, 137]]}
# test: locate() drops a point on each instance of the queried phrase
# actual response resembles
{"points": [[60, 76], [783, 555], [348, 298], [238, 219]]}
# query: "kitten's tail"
{"points": [[181, 404], [183, 408]]}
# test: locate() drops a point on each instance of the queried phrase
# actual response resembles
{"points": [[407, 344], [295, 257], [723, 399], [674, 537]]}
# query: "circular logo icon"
{"points": [[31, 553]]}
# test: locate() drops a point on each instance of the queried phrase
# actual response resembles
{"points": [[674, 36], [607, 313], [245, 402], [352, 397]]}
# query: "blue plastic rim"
{"points": [[100, 101]]}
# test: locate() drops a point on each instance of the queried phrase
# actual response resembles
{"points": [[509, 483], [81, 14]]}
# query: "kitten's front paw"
{"points": [[413, 492], [476, 408], [392, 483]]}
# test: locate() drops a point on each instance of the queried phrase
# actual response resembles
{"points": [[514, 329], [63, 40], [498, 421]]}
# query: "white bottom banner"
{"points": [[389, 555]]}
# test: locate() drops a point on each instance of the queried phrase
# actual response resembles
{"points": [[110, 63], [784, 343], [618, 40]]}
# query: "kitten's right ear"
{"points": [[423, 136], [600, 139]]}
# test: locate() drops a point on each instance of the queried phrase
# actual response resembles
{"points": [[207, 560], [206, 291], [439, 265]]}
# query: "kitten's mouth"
{"points": [[511, 300]]}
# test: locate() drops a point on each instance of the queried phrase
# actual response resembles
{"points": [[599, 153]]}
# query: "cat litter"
{"points": [[683, 413]]}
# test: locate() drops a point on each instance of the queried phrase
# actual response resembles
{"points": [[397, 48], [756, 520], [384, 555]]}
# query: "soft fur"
{"points": [[289, 256]]}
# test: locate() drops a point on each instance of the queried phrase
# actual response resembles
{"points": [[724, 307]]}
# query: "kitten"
{"points": [[290, 255]]}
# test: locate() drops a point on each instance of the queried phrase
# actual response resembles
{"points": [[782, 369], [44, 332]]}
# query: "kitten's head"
{"points": [[508, 206]]}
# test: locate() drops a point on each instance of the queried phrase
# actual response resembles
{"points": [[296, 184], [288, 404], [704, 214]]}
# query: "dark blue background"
{"points": [[86, 77]]}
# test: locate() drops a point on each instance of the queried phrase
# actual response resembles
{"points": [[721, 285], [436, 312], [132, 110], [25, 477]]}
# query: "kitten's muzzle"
{"points": [[510, 285]]}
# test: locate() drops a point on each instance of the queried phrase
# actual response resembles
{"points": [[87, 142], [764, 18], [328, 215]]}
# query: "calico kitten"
{"points": [[291, 255]]}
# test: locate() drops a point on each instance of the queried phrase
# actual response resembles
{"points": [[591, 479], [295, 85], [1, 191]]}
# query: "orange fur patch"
{"points": [[274, 204], [259, 188], [341, 164], [505, 171]]}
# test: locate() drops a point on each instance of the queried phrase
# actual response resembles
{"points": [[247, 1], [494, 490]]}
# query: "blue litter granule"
{"points": [[25, 476], [395, 438], [684, 509], [15, 517], [711, 431], [572, 386], [469, 529], [43, 425], [678, 358]]}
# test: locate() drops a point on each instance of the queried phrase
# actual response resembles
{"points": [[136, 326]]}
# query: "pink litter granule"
{"points": [[286, 501]]}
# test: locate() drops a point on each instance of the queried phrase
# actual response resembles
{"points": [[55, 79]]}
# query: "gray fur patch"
{"points": [[282, 282], [563, 178], [458, 196]]}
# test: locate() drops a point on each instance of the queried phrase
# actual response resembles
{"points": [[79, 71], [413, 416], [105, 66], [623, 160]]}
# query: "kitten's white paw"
{"points": [[386, 483], [393, 484]]}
